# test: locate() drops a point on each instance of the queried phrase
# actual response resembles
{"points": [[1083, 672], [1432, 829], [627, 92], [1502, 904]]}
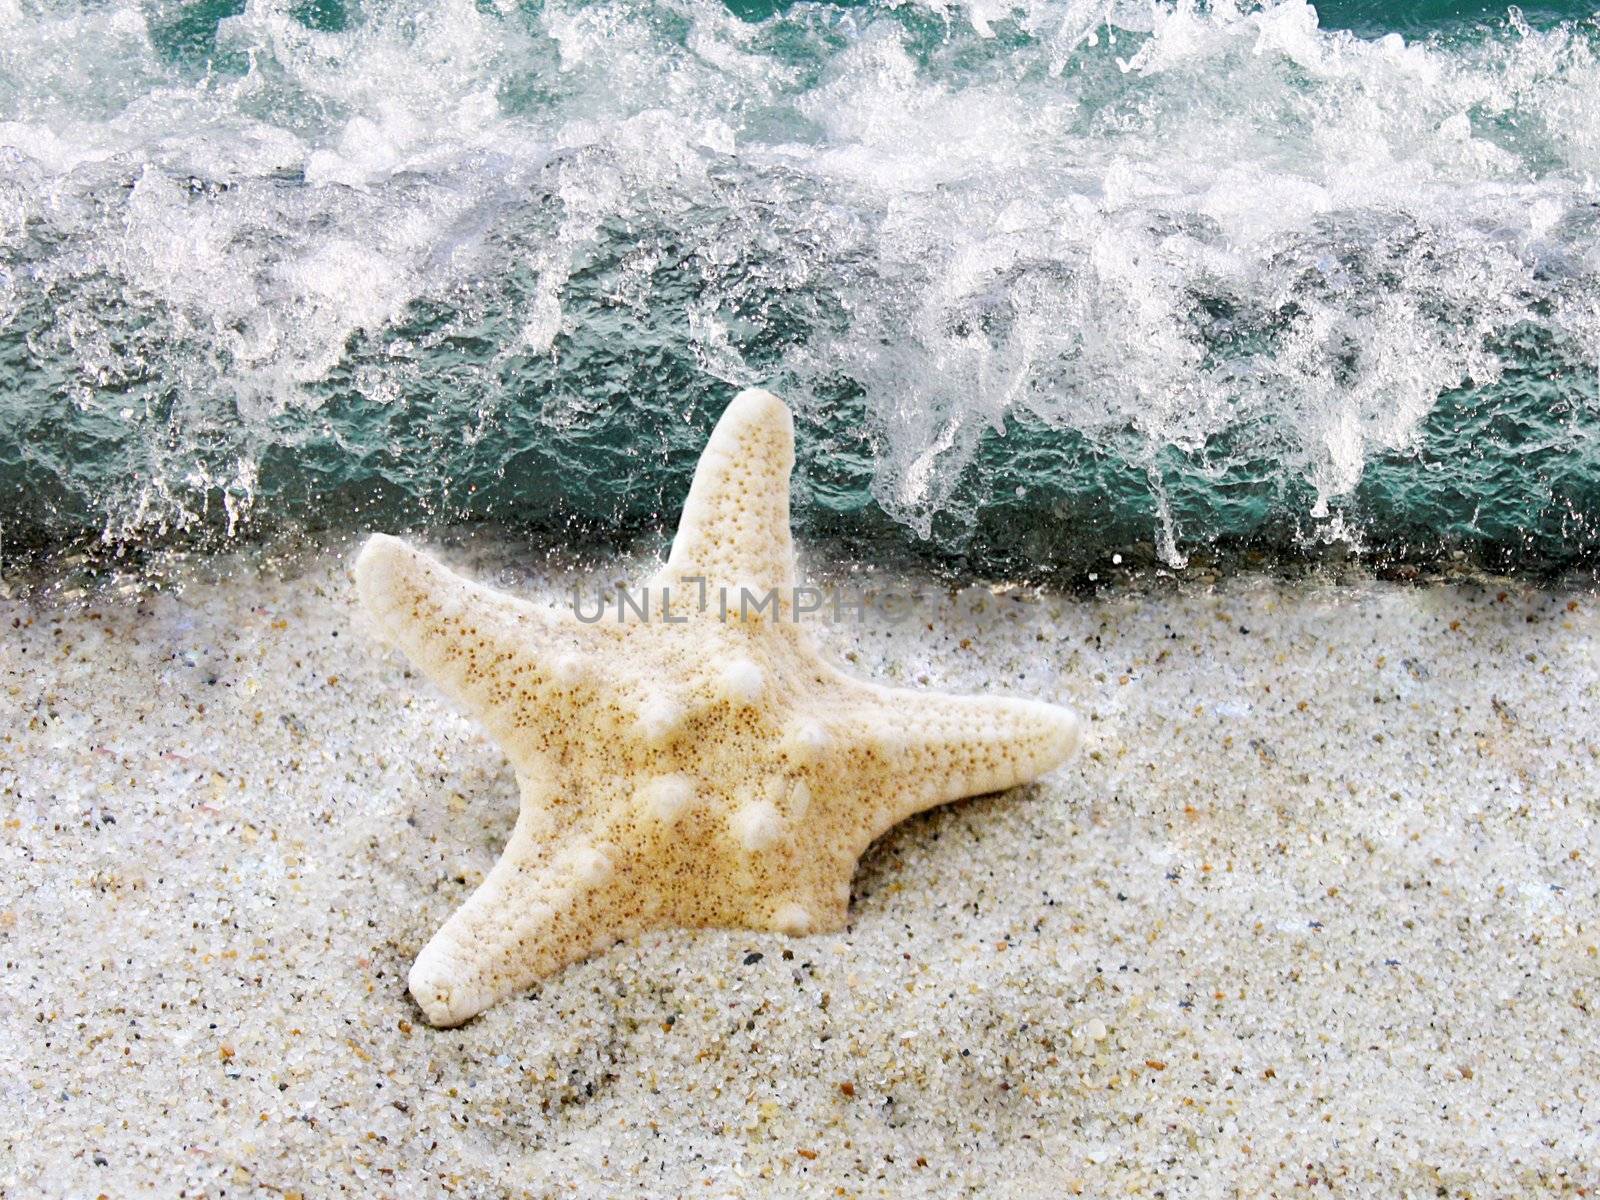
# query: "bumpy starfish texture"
{"points": [[710, 769]]}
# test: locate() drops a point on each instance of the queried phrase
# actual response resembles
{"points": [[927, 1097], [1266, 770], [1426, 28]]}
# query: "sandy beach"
{"points": [[1315, 912]]}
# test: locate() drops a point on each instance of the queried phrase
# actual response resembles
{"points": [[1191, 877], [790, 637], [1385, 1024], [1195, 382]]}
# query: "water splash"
{"points": [[1042, 278]]}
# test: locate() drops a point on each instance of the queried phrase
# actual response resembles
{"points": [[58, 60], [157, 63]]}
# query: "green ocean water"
{"points": [[1045, 282]]}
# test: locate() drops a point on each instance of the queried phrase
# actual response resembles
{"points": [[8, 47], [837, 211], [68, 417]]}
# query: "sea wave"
{"points": [[1043, 280]]}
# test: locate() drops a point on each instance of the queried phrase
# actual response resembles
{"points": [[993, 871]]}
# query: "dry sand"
{"points": [[1315, 911]]}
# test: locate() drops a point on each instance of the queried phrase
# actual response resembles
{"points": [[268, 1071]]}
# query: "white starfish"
{"points": [[707, 770]]}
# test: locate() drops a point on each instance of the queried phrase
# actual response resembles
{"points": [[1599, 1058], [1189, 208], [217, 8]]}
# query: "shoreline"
{"points": [[97, 572], [1317, 902]]}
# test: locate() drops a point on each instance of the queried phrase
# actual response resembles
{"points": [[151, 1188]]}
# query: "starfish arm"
{"points": [[735, 524], [943, 747], [489, 652], [541, 908]]}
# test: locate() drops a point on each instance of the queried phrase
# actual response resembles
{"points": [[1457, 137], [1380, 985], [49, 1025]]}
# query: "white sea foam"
{"points": [[1167, 227]]}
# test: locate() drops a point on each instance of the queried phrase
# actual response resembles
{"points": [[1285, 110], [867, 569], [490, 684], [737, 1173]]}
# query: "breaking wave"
{"points": [[1044, 280]]}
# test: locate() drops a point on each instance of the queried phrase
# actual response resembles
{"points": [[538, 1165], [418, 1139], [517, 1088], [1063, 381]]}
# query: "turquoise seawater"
{"points": [[1045, 281]]}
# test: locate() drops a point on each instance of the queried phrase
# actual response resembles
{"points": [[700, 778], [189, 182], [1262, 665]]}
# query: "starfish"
{"points": [[694, 765]]}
